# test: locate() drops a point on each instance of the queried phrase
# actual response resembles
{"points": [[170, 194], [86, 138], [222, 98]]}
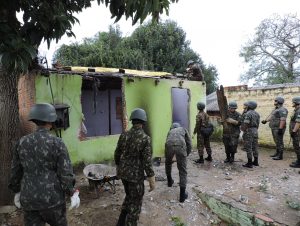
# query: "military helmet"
{"points": [[42, 112], [251, 104], [200, 105], [190, 62], [138, 113], [280, 100], [296, 100], [175, 125], [232, 104]]}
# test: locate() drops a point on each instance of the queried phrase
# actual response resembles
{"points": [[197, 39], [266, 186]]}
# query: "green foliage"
{"points": [[293, 204], [177, 221], [50, 20], [273, 53], [155, 47]]}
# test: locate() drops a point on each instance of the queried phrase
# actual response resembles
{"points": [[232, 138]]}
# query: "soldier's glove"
{"points": [[264, 121], [17, 200], [151, 181], [293, 134], [75, 200], [280, 132], [232, 121]]}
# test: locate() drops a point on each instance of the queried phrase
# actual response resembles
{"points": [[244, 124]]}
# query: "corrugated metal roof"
{"points": [[212, 102]]}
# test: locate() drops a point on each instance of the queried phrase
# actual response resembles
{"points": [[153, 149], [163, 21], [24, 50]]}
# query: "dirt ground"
{"points": [[271, 189]]}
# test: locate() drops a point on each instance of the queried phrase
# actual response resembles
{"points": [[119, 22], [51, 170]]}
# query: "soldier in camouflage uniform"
{"points": [[194, 71], [133, 157], [178, 143], [42, 171], [294, 130], [250, 137], [277, 123], [202, 120], [231, 132]]}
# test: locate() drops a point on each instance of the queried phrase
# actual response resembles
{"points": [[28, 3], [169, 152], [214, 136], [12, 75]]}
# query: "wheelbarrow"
{"points": [[99, 175]]}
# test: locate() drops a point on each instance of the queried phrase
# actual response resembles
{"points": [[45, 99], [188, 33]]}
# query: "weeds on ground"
{"points": [[286, 177], [293, 204], [177, 221], [263, 185]]}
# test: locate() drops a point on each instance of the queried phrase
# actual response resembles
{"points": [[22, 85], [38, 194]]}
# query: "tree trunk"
{"points": [[9, 130]]}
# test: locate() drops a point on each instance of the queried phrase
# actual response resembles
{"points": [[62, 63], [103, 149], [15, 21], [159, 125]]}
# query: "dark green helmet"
{"points": [[42, 112], [200, 105], [296, 100], [280, 100], [190, 62], [175, 125], [139, 114], [251, 104], [232, 104]]}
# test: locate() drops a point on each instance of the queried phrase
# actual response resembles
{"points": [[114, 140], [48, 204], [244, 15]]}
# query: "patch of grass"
{"points": [[263, 185], [177, 221], [286, 177], [293, 204]]}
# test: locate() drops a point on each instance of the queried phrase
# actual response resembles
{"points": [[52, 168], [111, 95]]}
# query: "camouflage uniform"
{"points": [[178, 143], [278, 114], [132, 157], [202, 119], [42, 172], [231, 133], [195, 73], [295, 138], [250, 136]]}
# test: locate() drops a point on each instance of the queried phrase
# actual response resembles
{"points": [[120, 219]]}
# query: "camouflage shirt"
{"points": [[133, 155], [277, 115], [231, 128], [180, 137], [195, 73], [41, 171], [251, 119], [202, 120], [295, 118]]}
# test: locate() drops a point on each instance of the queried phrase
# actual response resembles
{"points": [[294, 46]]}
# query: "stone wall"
{"points": [[264, 96]]}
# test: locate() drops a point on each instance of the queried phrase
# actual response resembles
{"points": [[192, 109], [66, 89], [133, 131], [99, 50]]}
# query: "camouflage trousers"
{"points": [[230, 142], [296, 146], [181, 154], [250, 144], [203, 142], [278, 139], [55, 217], [132, 203]]}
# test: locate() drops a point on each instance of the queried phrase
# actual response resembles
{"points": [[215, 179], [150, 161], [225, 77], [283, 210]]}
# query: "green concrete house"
{"points": [[94, 105]]}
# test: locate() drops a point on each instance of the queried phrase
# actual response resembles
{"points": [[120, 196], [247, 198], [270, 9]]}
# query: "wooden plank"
{"points": [[223, 106]]}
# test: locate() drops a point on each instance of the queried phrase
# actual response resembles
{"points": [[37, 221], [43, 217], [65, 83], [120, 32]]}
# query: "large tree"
{"points": [[273, 53], [156, 47], [19, 42]]}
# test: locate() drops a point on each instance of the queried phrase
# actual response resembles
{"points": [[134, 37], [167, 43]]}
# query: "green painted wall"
{"points": [[155, 99]]}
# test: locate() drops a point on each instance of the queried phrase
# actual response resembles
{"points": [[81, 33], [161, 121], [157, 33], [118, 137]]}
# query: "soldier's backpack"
{"points": [[207, 130]]}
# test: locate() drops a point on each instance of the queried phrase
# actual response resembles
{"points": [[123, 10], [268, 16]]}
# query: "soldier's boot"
{"points": [[227, 158], [255, 162], [170, 181], [122, 218], [278, 157], [249, 163], [208, 158], [296, 164], [183, 194], [231, 157], [275, 154], [200, 160]]}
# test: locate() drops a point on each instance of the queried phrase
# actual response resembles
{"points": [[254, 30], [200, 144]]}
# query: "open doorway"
{"points": [[101, 100], [180, 107]]}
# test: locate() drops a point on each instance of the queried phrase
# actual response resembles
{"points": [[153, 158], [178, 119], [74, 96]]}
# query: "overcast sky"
{"points": [[216, 28]]}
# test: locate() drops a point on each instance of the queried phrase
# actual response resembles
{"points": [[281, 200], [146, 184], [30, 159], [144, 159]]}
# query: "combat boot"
{"points": [[170, 181], [278, 157], [249, 163], [231, 157], [200, 160], [183, 194], [227, 158], [122, 218], [275, 154], [295, 164], [255, 162], [208, 158]]}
